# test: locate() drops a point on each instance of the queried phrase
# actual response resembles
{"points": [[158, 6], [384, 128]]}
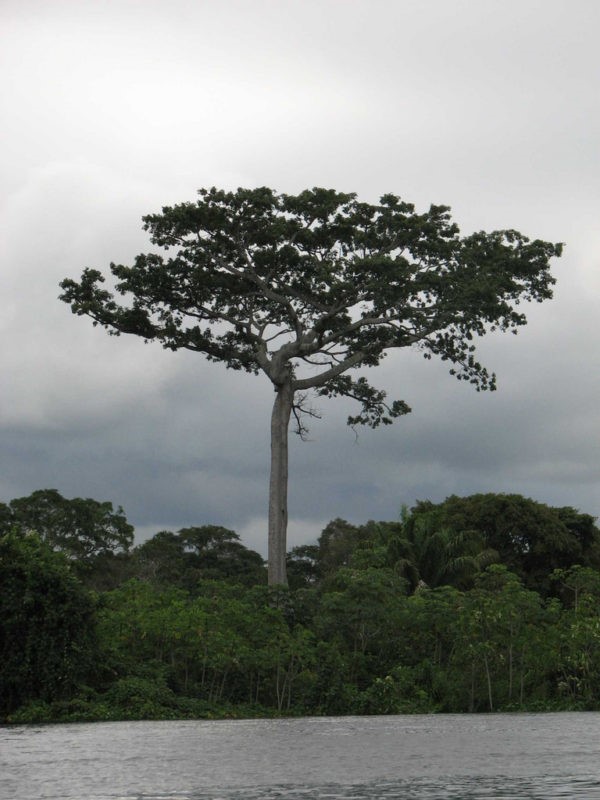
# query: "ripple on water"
{"points": [[467, 788], [445, 757]]}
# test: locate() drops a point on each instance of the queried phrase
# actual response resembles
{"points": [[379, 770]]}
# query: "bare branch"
{"points": [[300, 410]]}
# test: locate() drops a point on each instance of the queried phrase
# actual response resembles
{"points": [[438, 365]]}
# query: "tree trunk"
{"points": [[510, 668], [278, 514], [489, 681]]}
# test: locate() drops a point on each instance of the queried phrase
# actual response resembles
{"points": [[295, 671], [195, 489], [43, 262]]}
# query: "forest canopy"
{"points": [[480, 603]]}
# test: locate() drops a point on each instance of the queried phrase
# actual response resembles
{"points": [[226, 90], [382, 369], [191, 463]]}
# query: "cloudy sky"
{"points": [[114, 108]]}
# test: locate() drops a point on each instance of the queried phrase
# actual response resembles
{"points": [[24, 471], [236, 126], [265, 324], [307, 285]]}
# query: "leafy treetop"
{"points": [[81, 528], [307, 287]]}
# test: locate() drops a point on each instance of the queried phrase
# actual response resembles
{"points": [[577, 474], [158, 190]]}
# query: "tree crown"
{"points": [[305, 288]]}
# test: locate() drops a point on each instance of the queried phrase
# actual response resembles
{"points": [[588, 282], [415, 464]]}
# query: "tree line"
{"points": [[482, 603]]}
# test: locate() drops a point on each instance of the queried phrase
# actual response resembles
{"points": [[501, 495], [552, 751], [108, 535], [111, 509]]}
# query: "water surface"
{"points": [[503, 756]]}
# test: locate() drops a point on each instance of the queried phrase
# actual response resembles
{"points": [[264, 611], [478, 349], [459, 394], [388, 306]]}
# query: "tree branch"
{"points": [[320, 380]]}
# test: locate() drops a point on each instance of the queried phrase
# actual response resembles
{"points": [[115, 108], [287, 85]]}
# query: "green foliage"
{"points": [[577, 584], [499, 635], [400, 692], [208, 552], [530, 538], [141, 698], [302, 566], [84, 530], [47, 630], [243, 266], [429, 553], [337, 542], [357, 636]]}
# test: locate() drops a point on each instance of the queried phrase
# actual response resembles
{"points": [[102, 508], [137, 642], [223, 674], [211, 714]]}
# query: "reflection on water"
{"points": [[447, 757]]}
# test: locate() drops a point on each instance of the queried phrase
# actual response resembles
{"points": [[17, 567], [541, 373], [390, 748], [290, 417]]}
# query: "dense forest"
{"points": [[476, 604]]}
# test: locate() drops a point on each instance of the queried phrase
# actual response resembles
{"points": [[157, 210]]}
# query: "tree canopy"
{"points": [[46, 622], [198, 553], [305, 288], [81, 528], [530, 538], [386, 617]]}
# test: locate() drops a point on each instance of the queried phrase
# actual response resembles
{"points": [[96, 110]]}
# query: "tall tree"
{"points": [[308, 288]]}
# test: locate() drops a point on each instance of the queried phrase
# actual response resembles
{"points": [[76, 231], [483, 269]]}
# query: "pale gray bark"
{"points": [[278, 511]]}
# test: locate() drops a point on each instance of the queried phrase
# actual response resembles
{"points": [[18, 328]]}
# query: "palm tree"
{"points": [[426, 553]]}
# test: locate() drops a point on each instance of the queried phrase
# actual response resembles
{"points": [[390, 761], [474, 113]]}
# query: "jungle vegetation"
{"points": [[476, 604]]}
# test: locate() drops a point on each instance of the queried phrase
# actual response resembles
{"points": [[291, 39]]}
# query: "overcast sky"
{"points": [[114, 108]]}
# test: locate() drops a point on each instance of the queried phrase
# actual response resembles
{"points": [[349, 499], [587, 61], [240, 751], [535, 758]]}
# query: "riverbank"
{"points": [[189, 708]]}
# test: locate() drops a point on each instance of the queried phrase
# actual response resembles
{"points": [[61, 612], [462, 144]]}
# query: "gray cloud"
{"points": [[116, 110]]}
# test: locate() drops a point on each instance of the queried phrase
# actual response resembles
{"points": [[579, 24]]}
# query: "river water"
{"points": [[463, 757]]}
